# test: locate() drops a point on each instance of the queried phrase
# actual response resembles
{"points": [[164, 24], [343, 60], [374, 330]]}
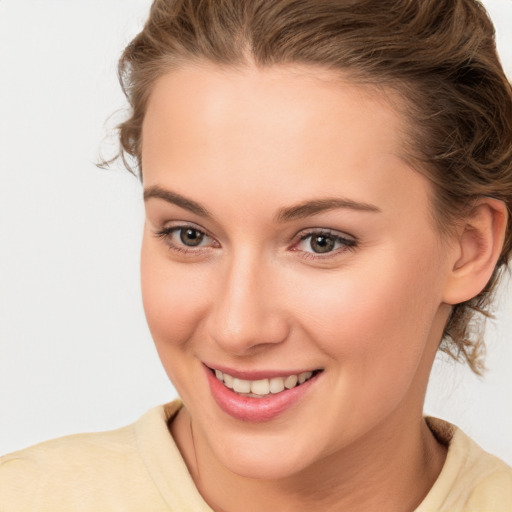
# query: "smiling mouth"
{"points": [[263, 388]]}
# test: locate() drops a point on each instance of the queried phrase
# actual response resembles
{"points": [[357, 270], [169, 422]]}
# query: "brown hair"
{"points": [[439, 55]]}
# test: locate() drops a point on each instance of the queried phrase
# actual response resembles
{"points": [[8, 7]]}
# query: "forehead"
{"points": [[296, 131], [301, 99]]}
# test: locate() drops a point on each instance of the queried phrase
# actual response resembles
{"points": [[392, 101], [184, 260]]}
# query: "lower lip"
{"points": [[255, 410]]}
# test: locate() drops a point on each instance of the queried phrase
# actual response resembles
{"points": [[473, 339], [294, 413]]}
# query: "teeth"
{"points": [[262, 387], [276, 385], [242, 386], [228, 381], [291, 381], [303, 377]]}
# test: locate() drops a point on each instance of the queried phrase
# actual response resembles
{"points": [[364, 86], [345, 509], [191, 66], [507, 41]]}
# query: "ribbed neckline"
{"points": [[164, 462], [170, 474]]}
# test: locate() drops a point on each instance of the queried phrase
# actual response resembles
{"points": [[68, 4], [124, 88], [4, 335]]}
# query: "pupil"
{"points": [[191, 237], [322, 244]]}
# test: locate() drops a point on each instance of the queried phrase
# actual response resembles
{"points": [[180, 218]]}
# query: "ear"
{"points": [[481, 235]]}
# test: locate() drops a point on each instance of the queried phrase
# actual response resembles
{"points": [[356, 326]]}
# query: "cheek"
{"points": [[378, 312], [174, 300], [373, 324]]}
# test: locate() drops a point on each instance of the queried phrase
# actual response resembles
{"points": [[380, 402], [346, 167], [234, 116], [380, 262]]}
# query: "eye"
{"points": [[324, 242], [191, 237], [186, 238]]}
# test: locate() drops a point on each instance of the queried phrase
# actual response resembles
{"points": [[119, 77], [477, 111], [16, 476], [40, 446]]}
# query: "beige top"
{"points": [[139, 467]]}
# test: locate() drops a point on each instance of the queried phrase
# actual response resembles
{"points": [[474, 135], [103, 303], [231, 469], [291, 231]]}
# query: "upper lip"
{"points": [[257, 374]]}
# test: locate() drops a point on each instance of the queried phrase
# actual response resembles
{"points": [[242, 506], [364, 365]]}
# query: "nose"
{"points": [[247, 313]]}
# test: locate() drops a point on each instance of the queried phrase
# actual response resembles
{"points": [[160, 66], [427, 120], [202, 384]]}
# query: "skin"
{"points": [[246, 144]]}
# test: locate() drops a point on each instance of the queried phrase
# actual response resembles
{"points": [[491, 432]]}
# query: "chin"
{"points": [[263, 457], [258, 469]]}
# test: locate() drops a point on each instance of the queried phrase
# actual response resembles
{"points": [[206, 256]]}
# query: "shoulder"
{"points": [[471, 480], [55, 473], [71, 453], [489, 480]]}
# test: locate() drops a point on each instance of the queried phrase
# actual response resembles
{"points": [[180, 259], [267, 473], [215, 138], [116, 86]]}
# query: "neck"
{"points": [[390, 468]]}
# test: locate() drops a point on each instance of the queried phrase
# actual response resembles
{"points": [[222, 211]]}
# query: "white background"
{"points": [[75, 352]]}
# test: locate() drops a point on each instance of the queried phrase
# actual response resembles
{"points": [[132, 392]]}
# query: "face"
{"points": [[286, 239]]}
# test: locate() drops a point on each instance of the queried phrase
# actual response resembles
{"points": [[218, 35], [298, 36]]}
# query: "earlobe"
{"points": [[479, 245]]}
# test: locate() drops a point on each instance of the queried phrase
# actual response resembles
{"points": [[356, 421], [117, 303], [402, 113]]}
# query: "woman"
{"points": [[328, 188]]}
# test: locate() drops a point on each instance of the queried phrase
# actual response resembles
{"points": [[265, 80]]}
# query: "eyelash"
{"points": [[348, 244], [166, 235]]}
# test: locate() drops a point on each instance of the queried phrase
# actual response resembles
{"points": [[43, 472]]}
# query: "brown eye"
{"points": [[322, 243], [187, 240], [191, 237]]}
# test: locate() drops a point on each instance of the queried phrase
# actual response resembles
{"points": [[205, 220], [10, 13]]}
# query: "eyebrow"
{"points": [[308, 208], [177, 199], [298, 211]]}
